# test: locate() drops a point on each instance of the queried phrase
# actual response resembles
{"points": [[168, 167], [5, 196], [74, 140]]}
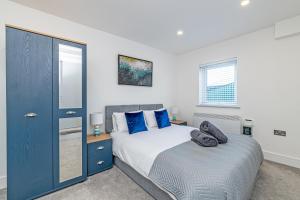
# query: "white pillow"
{"points": [[120, 121], [115, 128], [150, 117]]}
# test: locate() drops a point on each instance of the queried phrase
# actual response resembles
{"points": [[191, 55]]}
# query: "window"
{"points": [[218, 85]]}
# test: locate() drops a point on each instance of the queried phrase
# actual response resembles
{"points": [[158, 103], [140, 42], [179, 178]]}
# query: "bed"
{"points": [[166, 164]]}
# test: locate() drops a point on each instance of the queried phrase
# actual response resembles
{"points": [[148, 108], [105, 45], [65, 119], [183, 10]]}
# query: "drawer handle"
{"points": [[100, 162], [100, 148]]}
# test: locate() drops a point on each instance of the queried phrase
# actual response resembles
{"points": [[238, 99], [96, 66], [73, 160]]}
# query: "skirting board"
{"points": [[282, 159], [2, 182]]}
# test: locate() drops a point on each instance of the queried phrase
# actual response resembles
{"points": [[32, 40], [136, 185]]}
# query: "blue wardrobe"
{"points": [[46, 113]]}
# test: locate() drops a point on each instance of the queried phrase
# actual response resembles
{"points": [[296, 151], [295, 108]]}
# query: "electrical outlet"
{"points": [[280, 133]]}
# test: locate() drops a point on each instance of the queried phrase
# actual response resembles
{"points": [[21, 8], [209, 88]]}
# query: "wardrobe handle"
{"points": [[70, 112], [30, 115]]}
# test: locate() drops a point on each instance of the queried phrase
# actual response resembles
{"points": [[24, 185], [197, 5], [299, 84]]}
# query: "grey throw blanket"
{"points": [[203, 139], [227, 172], [210, 129]]}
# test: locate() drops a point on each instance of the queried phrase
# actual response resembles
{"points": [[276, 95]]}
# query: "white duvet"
{"points": [[139, 150]]}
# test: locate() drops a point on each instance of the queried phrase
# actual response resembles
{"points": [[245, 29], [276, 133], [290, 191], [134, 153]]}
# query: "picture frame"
{"points": [[134, 71]]}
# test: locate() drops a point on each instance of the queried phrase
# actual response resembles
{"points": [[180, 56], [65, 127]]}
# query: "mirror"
{"points": [[70, 148], [70, 77]]}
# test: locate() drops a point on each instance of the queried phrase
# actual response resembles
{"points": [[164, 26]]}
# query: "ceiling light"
{"points": [[179, 32], [245, 3]]}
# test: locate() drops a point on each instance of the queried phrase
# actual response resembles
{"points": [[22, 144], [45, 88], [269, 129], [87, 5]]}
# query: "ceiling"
{"points": [[155, 22]]}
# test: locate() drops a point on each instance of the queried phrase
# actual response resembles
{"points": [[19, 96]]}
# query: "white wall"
{"points": [[102, 51], [2, 101], [268, 88]]}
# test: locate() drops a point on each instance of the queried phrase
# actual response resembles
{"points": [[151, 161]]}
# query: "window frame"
{"points": [[203, 83]]}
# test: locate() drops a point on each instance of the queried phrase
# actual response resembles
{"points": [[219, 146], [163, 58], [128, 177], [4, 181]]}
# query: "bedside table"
{"points": [[99, 153], [179, 122]]}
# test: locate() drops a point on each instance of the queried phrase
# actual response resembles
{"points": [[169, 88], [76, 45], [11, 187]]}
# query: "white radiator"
{"points": [[226, 123]]}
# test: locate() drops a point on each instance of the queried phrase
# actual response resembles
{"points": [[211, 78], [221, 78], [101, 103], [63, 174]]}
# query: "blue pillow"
{"points": [[162, 118], [136, 122]]}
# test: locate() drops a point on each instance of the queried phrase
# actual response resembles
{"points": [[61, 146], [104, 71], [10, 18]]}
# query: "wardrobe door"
{"points": [[69, 112], [29, 114]]}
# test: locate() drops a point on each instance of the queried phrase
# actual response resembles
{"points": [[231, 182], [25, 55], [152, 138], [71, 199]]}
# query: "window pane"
{"points": [[219, 85], [220, 76]]}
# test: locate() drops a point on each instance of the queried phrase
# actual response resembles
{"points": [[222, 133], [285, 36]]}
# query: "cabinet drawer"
{"points": [[101, 147], [99, 156]]}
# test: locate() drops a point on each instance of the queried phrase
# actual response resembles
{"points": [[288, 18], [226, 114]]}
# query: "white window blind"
{"points": [[218, 85]]}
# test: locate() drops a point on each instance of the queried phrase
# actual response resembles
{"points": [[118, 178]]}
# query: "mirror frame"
{"points": [[62, 93], [62, 113]]}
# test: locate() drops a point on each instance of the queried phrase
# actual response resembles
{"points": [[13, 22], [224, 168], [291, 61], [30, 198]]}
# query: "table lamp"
{"points": [[174, 112], [96, 122]]}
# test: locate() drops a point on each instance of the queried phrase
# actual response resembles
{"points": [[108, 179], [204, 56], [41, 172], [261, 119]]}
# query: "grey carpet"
{"points": [[275, 182]]}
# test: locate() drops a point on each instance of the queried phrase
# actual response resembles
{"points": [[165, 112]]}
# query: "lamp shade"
{"points": [[248, 123], [174, 110], [96, 118]]}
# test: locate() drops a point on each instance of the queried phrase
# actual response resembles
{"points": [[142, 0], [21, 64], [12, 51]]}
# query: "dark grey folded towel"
{"points": [[203, 139], [210, 129]]}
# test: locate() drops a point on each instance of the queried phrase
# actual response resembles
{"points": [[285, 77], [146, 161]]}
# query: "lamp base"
{"points": [[97, 131]]}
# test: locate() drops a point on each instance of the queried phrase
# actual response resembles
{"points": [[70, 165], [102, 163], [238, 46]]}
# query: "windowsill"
{"points": [[219, 106]]}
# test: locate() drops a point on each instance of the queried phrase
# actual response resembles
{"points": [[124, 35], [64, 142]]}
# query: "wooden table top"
{"points": [[102, 137], [178, 121]]}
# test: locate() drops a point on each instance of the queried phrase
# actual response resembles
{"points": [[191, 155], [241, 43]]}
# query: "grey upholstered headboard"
{"points": [[109, 110]]}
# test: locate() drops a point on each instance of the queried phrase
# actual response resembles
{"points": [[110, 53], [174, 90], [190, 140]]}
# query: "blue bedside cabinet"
{"points": [[99, 153]]}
